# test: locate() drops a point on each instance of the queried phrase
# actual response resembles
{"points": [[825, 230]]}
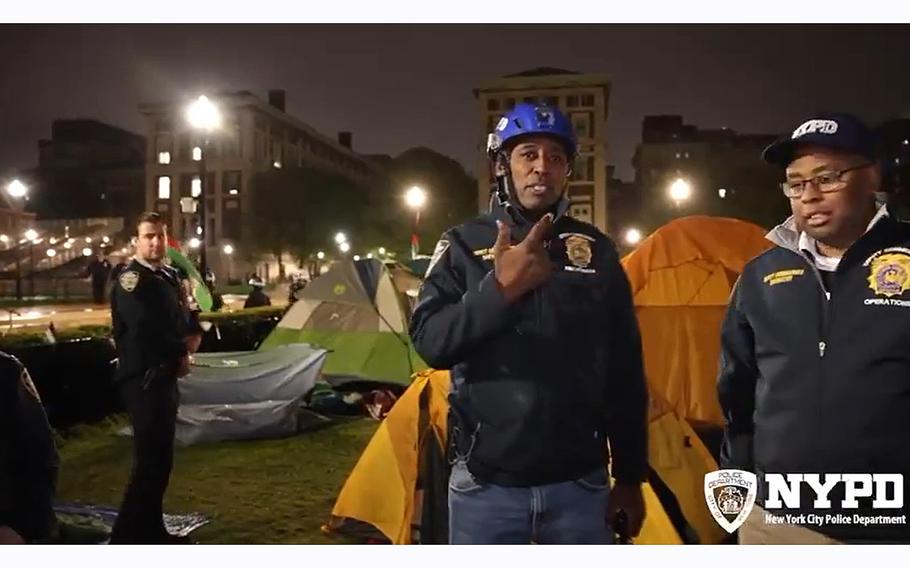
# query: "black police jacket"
{"points": [[28, 455], [149, 319], [812, 383], [540, 385]]}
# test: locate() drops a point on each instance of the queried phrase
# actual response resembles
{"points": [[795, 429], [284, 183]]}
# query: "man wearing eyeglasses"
{"points": [[815, 362]]}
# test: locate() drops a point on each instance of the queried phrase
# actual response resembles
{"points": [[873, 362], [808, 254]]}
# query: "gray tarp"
{"points": [[246, 394]]}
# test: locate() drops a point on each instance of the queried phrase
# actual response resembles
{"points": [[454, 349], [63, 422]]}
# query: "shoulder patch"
{"points": [[441, 247], [129, 280], [29, 385]]}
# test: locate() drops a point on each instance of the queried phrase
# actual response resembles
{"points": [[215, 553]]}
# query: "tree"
{"points": [[451, 191], [297, 210]]}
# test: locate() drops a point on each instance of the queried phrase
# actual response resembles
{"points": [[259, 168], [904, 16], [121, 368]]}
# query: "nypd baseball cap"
{"points": [[836, 131]]}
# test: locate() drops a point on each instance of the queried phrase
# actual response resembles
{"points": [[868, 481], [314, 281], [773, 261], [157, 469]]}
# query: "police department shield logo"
{"points": [[578, 250], [545, 117], [441, 247], [129, 280], [889, 274], [730, 495]]}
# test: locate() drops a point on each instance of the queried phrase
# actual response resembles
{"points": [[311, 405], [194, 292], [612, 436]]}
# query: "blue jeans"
{"points": [[571, 512]]}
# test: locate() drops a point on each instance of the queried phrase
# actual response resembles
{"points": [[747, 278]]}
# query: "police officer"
{"points": [[257, 298], [150, 330], [98, 269], [815, 374], [532, 312]]}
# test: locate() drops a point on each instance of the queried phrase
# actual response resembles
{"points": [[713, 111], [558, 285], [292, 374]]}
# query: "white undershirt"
{"points": [[829, 263]]}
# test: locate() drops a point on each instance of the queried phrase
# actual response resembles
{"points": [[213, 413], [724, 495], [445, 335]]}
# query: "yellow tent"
{"points": [[682, 276], [386, 489]]}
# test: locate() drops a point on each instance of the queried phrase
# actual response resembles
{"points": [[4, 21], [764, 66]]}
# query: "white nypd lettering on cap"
{"points": [[812, 126], [501, 125]]}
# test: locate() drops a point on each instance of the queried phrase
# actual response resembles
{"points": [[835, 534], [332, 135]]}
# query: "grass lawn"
{"points": [[254, 492]]}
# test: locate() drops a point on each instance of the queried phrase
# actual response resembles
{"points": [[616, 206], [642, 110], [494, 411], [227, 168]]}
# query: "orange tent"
{"points": [[682, 277]]}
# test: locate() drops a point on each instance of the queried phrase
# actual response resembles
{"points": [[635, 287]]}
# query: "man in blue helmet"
{"points": [[532, 312]]}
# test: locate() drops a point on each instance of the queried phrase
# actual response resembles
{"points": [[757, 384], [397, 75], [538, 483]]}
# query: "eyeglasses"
{"points": [[825, 182]]}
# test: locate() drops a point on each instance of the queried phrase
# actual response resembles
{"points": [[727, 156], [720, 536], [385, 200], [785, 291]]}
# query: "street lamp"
{"points": [[415, 198], [680, 190], [632, 236], [86, 252], [344, 247], [51, 253], [194, 243], [356, 257], [31, 234], [382, 251], [229, 251], [204, 116], [340, 238], [320, 255], [18, 192]]}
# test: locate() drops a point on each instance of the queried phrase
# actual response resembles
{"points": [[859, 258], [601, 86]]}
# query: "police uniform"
{"points": [[148, 312]]}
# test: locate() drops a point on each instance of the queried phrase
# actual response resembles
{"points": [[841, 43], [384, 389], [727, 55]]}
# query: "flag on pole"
{"points": [[200, 290]]}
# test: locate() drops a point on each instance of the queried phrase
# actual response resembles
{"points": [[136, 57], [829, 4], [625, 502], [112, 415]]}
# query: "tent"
{"points": [[356, 312], [397, 490], [682, 277], [246, 394]]}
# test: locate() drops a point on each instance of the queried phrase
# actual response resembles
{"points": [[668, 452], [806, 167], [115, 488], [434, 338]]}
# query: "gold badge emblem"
{"points": [[889, 274], [129, 280], [578, 250]]}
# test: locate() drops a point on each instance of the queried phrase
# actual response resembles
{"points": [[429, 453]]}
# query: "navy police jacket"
{"points": [[540, 386]]}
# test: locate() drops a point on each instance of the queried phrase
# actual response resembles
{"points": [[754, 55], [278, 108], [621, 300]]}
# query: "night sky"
{"points": [[397, 87]]}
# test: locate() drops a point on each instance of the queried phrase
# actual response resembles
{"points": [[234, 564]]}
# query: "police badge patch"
{"points": [[730, 495], [441, 247], [889, 274], [129, 280], [29, 385], [578, 249]]}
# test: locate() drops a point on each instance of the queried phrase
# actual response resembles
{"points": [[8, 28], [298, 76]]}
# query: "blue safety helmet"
{"points": [[531, 118]]}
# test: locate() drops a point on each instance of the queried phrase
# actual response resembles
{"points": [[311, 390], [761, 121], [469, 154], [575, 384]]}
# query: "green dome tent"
{"points": [[357, 313]]}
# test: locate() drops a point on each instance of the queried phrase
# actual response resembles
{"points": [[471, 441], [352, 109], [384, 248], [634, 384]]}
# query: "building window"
{"points": [[581, 123], [196, 187], [492, 104], [164, 187], [572, 101], [231, 181], [164, 157], [552, 101], [581, 212], [510, 103], [587, 100], [197, 153]]}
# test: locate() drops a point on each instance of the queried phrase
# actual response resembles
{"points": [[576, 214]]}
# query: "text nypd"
{"points": [[786, 490]]}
